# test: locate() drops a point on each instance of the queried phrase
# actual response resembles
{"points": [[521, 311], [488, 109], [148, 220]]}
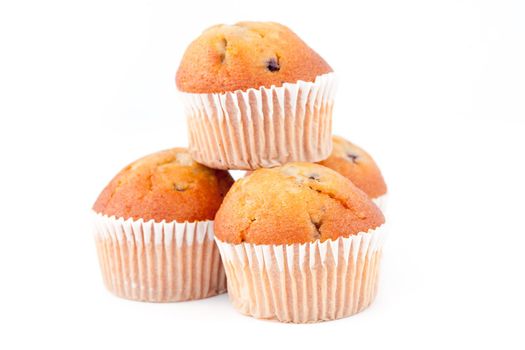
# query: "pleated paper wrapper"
{"points": [[158, 261], [304, 283], [263, 127]]}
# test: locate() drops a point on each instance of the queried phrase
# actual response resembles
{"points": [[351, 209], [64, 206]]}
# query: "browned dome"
{"points": [[294, 203], [357, 165], [247, 55], [167, 185]]}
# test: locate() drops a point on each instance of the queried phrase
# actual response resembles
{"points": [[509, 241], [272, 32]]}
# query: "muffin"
{"points": [[154, 229], [299, 243], [256, 96], [358, 166]]}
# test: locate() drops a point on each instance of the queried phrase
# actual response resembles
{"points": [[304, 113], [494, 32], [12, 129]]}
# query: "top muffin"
{"points": [[247, 55], [294, 203], [357, 165], [167, 185]]}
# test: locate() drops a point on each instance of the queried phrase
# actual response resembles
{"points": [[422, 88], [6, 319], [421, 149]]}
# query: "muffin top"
{"points": [[294, 203], [247, 55], [168, 185], [356, 165]]}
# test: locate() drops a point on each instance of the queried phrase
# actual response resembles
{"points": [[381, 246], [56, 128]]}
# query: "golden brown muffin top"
{"points": [[294, 203], [247, 55], [167, 185], [356, 165]]}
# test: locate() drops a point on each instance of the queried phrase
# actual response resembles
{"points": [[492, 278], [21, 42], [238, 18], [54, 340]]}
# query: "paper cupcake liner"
{"points": [[303, 283], [381, 202], [263, 127], [158, 261]]}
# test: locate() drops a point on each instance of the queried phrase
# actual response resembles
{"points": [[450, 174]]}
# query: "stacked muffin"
{"points": [[154, 229], [256, 96], [299, 241]]}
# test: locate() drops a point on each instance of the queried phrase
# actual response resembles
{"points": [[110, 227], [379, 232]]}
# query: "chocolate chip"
{"points": [[353, 157], [273, 65], [314, 176], [222, 54], [316, 234]]}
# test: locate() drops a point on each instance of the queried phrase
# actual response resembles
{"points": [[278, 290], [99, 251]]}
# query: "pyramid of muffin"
{"points": [[298, 238]]}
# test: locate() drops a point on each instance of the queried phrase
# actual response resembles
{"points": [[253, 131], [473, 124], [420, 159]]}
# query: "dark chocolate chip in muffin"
{"points": [[222, 53], [314, 176], [316, 223], [352, 157], [316, 234], [273, 65]]}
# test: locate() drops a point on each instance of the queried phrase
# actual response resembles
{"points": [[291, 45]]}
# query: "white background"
{"points": [[435, 90]]}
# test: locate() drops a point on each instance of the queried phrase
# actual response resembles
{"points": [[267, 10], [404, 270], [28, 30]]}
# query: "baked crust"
{"points": [[166, 185], [294, 203], [357, 165], [247, 55]]}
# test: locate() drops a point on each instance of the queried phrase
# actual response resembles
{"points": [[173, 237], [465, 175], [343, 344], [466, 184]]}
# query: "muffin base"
{"points": [[158, 261], [303, 283], [263, 127]]}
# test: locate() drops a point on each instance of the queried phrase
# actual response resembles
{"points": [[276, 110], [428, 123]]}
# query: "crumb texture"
{"points": [[247, 55], [357, 165], [167, 185], [295, 203]]}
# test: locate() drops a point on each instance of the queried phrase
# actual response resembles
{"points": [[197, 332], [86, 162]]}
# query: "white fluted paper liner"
{"points": [[303, 283], [381, 202], [158, 261], [263, 127]]}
